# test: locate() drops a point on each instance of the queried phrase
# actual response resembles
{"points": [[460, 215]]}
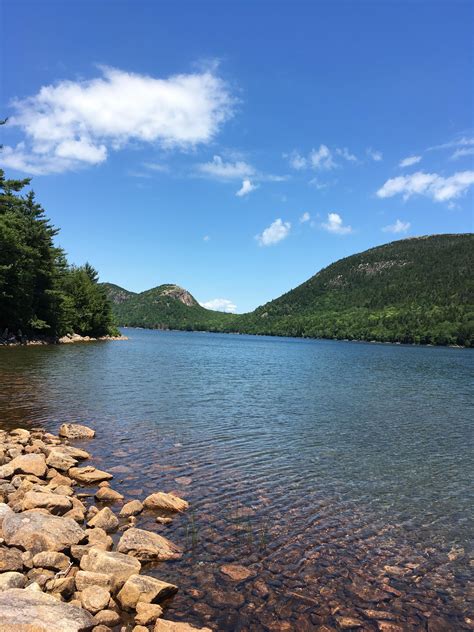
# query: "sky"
{"points": [[236, 148]]}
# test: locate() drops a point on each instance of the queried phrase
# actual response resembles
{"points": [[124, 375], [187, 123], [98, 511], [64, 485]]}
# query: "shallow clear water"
{"points": [[313, 463]]}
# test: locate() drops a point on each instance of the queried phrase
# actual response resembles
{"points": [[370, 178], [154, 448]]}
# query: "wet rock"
{"points": [[184, 480], [95, 598], [388, 626], [132, 508], [163, 520], [11, 580], [145, 589], [107, 494], [105, 520], [169, 502], [84, 579], [367, 592], [117, 565], [236, 572], [54, 503], [147, 613], [37, 532], [10, 559], [76, 431], [379, 614], [52, 560], [147, 546], [171, 626], [88, 474], [29, 464], [107, 617], [40, 612]]}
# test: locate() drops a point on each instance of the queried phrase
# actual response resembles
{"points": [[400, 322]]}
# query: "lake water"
{"points": [[339, 474]]}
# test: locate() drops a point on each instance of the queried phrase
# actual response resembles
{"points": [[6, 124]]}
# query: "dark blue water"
{"points": [[313, 463]]}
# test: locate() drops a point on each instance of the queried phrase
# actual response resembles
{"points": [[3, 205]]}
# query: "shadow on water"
{"points": [[337, 474]]}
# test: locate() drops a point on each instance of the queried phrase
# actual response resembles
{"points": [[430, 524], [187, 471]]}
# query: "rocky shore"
{"points": [[68, 561], [64, 340]]}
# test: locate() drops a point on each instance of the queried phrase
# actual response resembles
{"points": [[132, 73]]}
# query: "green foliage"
{"points": [[39, 293], [417, 290]]}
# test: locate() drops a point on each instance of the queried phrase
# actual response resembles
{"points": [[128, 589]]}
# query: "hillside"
{"points": [[414, 290], [164, 307]]}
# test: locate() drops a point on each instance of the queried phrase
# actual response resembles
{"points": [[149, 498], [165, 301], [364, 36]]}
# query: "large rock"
{"points": [[147, 546], [53, 502], [69, 450], [118, 566], [11, 580], [173, 626], [4, 510], [84, 579], [25, 610], [52, 560], [132, 508], [105, 520], [29, 464], [169, 502], [88, 474], [35, 531], [60, 460], [10, 559], [147, 613], [145, 589], [76, 431], [108, 495], [95, 598]]}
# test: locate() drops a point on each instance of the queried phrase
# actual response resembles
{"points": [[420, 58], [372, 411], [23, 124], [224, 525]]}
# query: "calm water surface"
{"points": [[339, 474]]}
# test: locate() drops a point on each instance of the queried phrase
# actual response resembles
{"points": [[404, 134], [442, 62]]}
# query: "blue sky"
{"points": [[236, 148]]}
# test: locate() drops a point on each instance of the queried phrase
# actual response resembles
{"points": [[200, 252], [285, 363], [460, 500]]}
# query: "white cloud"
{"points": [[74, 123], [334, 224], [277, 231], [397, 227], [297, 161], [346, 154], [206, 238], [155, 166], [376, 155], [305, 218], [218, 168], [463, 151], [220, 305], [322, 158], [246, 188], [409, 161], [431, 185]]}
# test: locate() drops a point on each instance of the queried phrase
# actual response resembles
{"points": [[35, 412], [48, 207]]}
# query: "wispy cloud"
{"points": [[277, 231], [206, 238], [346, 154], [464, 141], [246, 188], [220, 305], [305, 218], [374, 154], [335, 224], [297, 161], [222, 170], [461, 152], [322, 159], [156, 166], [409, 161], [76, 123], [431, 185], [397, 227]]}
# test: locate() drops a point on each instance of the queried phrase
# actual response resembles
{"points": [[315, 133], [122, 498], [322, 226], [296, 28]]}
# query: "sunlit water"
{"points": [[315, 464]]}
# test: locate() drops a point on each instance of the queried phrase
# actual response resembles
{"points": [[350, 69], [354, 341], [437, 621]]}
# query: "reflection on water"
{"points": [[338, 474]]}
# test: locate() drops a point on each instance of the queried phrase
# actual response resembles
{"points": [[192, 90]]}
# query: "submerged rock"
{"points": [[236, 572], [40, 612], [169, 502], [147, 546], [76, 431], [173, 626]]}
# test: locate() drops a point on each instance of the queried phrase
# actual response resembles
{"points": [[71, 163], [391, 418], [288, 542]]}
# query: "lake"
{"points": [[339, 474]]}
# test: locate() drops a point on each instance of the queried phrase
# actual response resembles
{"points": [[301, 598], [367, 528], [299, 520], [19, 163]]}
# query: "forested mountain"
{"points": [[40, 294], [417, 290], [164, 307]]}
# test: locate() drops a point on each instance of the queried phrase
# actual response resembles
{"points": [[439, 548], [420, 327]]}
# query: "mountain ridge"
{"points": [[417, 290]]}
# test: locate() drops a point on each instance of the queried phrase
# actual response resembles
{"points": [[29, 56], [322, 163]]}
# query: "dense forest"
{"points": [[41, 295], [418, 290]]}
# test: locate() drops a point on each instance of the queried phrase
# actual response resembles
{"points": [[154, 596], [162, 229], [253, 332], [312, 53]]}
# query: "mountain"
{"points": [[164, 307], [417, 290]]}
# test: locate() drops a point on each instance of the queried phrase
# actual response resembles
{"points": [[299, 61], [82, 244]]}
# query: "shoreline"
{"points": [[64, 340], [60, 568]]}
